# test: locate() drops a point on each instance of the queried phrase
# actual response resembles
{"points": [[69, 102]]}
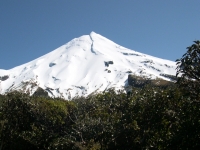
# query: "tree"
{"points": [[188, 72], [35, 123], [188, 69]]}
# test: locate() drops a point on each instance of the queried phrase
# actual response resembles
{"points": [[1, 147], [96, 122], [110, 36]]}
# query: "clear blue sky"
{"points": [[32, 28]]}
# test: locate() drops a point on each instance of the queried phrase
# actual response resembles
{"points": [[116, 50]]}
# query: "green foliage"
{"points": [[146, 119], [33, 122], [188, 67], [150, 118], [15, 117], [189, 82]]}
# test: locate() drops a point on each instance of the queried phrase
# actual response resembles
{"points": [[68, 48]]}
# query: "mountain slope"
{"points": [[82, 66]]}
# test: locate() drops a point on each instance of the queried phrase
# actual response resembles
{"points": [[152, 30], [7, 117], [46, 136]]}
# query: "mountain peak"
{"points": [[83, 66], [92, 33]]}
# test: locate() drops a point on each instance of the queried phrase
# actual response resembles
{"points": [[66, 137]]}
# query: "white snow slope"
{"points": [[82, 67]]}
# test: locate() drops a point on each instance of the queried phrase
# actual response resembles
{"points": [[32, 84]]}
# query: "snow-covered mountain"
{"points": [[90, 63]]}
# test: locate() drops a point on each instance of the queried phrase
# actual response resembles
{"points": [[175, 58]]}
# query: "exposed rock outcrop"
{"points": [[40, 92], [3, 78], [171, 77], [107, 63], [137, 81]]}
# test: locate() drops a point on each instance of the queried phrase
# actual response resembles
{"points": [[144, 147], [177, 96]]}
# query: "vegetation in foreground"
{"points": [[149, 118]]}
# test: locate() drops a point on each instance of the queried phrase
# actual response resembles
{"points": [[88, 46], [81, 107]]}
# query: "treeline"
{"points": [[148, 118]]}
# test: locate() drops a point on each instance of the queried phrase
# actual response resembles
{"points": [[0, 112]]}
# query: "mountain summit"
{"points": [[90, 63]]}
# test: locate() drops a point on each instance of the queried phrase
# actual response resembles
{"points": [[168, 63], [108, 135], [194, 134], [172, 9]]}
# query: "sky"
{"points": [[32, 28]]}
